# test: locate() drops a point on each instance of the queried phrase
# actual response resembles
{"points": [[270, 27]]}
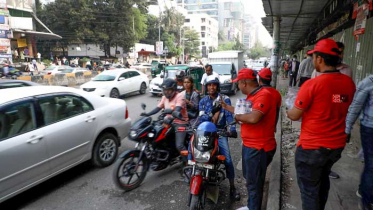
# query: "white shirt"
{"points": [[34, 61], [39, 55], [204, 77]]}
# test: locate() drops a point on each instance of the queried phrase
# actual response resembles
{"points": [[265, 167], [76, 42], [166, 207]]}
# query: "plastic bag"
{"points": [[243, 106], [290, 97]]}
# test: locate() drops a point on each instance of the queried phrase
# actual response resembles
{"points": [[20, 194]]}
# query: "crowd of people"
{"points": [[323, 103]]}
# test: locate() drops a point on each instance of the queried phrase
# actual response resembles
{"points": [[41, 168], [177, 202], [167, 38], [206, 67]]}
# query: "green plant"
{"points": [[47, 62], [85, 60]]}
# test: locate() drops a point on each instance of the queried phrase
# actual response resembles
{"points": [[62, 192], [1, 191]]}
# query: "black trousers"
{"points": [[293, 79], [303, 80], [313, 168]]}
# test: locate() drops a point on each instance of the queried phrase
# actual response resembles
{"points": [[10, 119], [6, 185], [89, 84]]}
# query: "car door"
{"points": [[136, 80], [70, 123], [23, 150], [124, 86]]}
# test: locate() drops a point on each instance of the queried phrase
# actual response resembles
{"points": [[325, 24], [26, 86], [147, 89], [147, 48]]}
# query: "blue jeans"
{"points": [[254, 165], [313, 169], [366, 185], [223, 150]]}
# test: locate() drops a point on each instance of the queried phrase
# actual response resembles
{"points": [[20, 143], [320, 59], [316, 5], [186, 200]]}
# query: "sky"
{"points": [[253, 7]]}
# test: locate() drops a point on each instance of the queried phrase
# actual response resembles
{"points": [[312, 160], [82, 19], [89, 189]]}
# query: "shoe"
{"points": [[333, 175], [358, 194], [243, 208], [235, 195]]}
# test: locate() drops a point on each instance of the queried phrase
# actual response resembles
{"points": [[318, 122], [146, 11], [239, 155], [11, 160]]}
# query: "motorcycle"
{"points": [[204, 172], [155, 150]]}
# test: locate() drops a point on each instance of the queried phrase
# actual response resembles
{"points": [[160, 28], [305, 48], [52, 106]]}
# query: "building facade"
{"points": [[209, 7], [231, 19], [207, 28], [250, 35]]}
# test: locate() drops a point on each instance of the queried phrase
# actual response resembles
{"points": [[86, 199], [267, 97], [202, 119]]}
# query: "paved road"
{"points": [[86, 187]]}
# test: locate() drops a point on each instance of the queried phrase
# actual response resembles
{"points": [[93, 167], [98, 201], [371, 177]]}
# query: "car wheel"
{"points": [[142, 88], [105, 150], [114, 93]]}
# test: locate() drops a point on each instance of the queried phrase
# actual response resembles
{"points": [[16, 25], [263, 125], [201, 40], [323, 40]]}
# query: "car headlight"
{"points": [[202, 157], [228, 81]]}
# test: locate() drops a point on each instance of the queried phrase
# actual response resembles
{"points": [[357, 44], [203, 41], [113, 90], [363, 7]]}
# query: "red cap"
{"points": [[265, 73], [245, 74], [327, 46]]}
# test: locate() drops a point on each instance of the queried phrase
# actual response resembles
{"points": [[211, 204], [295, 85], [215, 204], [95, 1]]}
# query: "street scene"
{"points": [[186, 104]]}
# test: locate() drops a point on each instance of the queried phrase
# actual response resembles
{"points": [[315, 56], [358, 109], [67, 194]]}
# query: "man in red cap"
{"points": [[258, 128], [265, 79], [322, 103]]}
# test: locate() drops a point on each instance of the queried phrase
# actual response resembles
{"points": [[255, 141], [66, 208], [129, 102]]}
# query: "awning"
{"points": [[145, 53], [296, 18], [40, 35]]}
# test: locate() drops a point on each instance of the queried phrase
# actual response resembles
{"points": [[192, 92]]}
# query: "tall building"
{"points": [[209, 7], [207, 28], [251, 29], [231, 19]]}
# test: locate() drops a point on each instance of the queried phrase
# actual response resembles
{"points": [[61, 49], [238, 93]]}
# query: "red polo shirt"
{"points": [[275, 94], [261, 135], [325, 101]]}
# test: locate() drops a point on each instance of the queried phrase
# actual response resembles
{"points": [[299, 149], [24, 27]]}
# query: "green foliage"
{"points": [[259, 51], [191, 43], [169, 41], [153, 30], [85, 60], [47, 62], [235, 45]]}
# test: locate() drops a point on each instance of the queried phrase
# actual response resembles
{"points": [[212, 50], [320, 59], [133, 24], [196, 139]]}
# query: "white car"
{"points": [[143, 67], [53, 70], [117, 82], [154, 89], [72, 70], [45, 130], [258, 65]]}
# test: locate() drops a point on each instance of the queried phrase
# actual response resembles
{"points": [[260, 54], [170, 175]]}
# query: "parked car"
{"points": [[5, 83], [258, 65], [73, 70], [118, 82], [53, 70], [45, 130], [143, 67]]}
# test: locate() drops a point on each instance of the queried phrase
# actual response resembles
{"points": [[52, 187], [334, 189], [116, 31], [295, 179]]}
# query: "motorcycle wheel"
{"points": [[126, 175], [195, 203]]}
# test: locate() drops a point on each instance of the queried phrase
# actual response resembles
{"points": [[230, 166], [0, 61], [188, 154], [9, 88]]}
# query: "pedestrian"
{"points": [[363, 102], [322, 103], [286, 68], [88, 65], [39, 57], [15, 53], [58, 61], [305, 69], [342, 67], [265, 79], [209, 71], [293, 69], [34, 64], [22, 55], [31, 69], [258, 135], [6, 69], [212, 111]]}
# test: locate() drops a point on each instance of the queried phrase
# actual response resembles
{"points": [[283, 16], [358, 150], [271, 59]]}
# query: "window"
{"points": [[227, 5], [203, 34], [134, 73], [60, 107], [187, 20], [203, 20], [209, 22], [17, 119], [12, 85], [203, 43], [203, 28], [125, 75]]}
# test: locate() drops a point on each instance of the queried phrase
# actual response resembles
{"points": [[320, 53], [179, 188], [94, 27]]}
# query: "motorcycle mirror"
{"points": [[143, 106]]}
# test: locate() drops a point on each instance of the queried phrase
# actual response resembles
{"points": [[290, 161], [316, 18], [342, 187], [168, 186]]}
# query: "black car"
{"points": [[5, 83]]}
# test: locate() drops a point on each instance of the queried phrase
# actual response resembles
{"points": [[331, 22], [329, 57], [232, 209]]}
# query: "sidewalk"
{"points": [[342, 194]]}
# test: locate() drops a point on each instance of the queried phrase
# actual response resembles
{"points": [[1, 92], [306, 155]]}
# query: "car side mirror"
{"points": [[121, 78], [143, 106]]}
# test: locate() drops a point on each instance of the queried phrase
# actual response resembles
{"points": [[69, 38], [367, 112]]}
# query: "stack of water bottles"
{"points": [[243, 106]]}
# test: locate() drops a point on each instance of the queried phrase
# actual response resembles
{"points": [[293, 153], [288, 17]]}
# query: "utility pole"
{"points": [[276, 48]]}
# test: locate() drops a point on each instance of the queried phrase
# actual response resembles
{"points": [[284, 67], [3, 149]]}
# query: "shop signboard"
{"points": [[361, 19], [3, 4], [21, 42], [4, 27], [4, 12], [3, 34], [5, 55], [4, 49], [159, 48], [9, 34], [25, 5], [5, 42]]}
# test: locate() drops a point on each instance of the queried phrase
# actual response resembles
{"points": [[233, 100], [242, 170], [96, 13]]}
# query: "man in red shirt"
{"points": [[265, 79], [257, 132], [322, 103]]}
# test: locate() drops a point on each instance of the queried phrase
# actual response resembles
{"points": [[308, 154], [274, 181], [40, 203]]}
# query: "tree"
{"points": [[191, 43], [153, 30], [235, 45], [258, 51], [171, 21], [169, 41]]}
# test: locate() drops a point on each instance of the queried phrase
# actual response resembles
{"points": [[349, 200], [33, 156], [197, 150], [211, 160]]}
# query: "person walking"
{"points": [[322, 103], [209, 71], [34, 63], [39, 57], [212, 111], [258, 135], [363, 103], [293, 69], [305, 69]]}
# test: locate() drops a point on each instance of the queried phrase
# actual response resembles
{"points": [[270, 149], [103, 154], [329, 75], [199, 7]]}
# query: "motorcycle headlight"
{"points": [[202, 157], [133, 134]]}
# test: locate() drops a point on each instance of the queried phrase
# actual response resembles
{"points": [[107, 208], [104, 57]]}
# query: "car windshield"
{"points": [[50, 68], [66, 70], [110, 76], [222, 69], [171, 74], [154, 64]]}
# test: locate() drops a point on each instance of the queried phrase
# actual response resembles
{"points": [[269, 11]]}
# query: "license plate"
{"points": [[208, 166]]}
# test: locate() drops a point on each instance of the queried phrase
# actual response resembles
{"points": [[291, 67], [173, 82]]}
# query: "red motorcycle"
{"points": [[204, 170], [155, 149]]}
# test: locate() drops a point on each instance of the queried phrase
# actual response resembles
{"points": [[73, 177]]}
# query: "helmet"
{"points": [[212, 80], [180, 75], [205, 136], [169, 84]]}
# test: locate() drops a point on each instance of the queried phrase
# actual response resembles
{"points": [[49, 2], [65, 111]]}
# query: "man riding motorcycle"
{"points": [[211, 110], [173, 100]]}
